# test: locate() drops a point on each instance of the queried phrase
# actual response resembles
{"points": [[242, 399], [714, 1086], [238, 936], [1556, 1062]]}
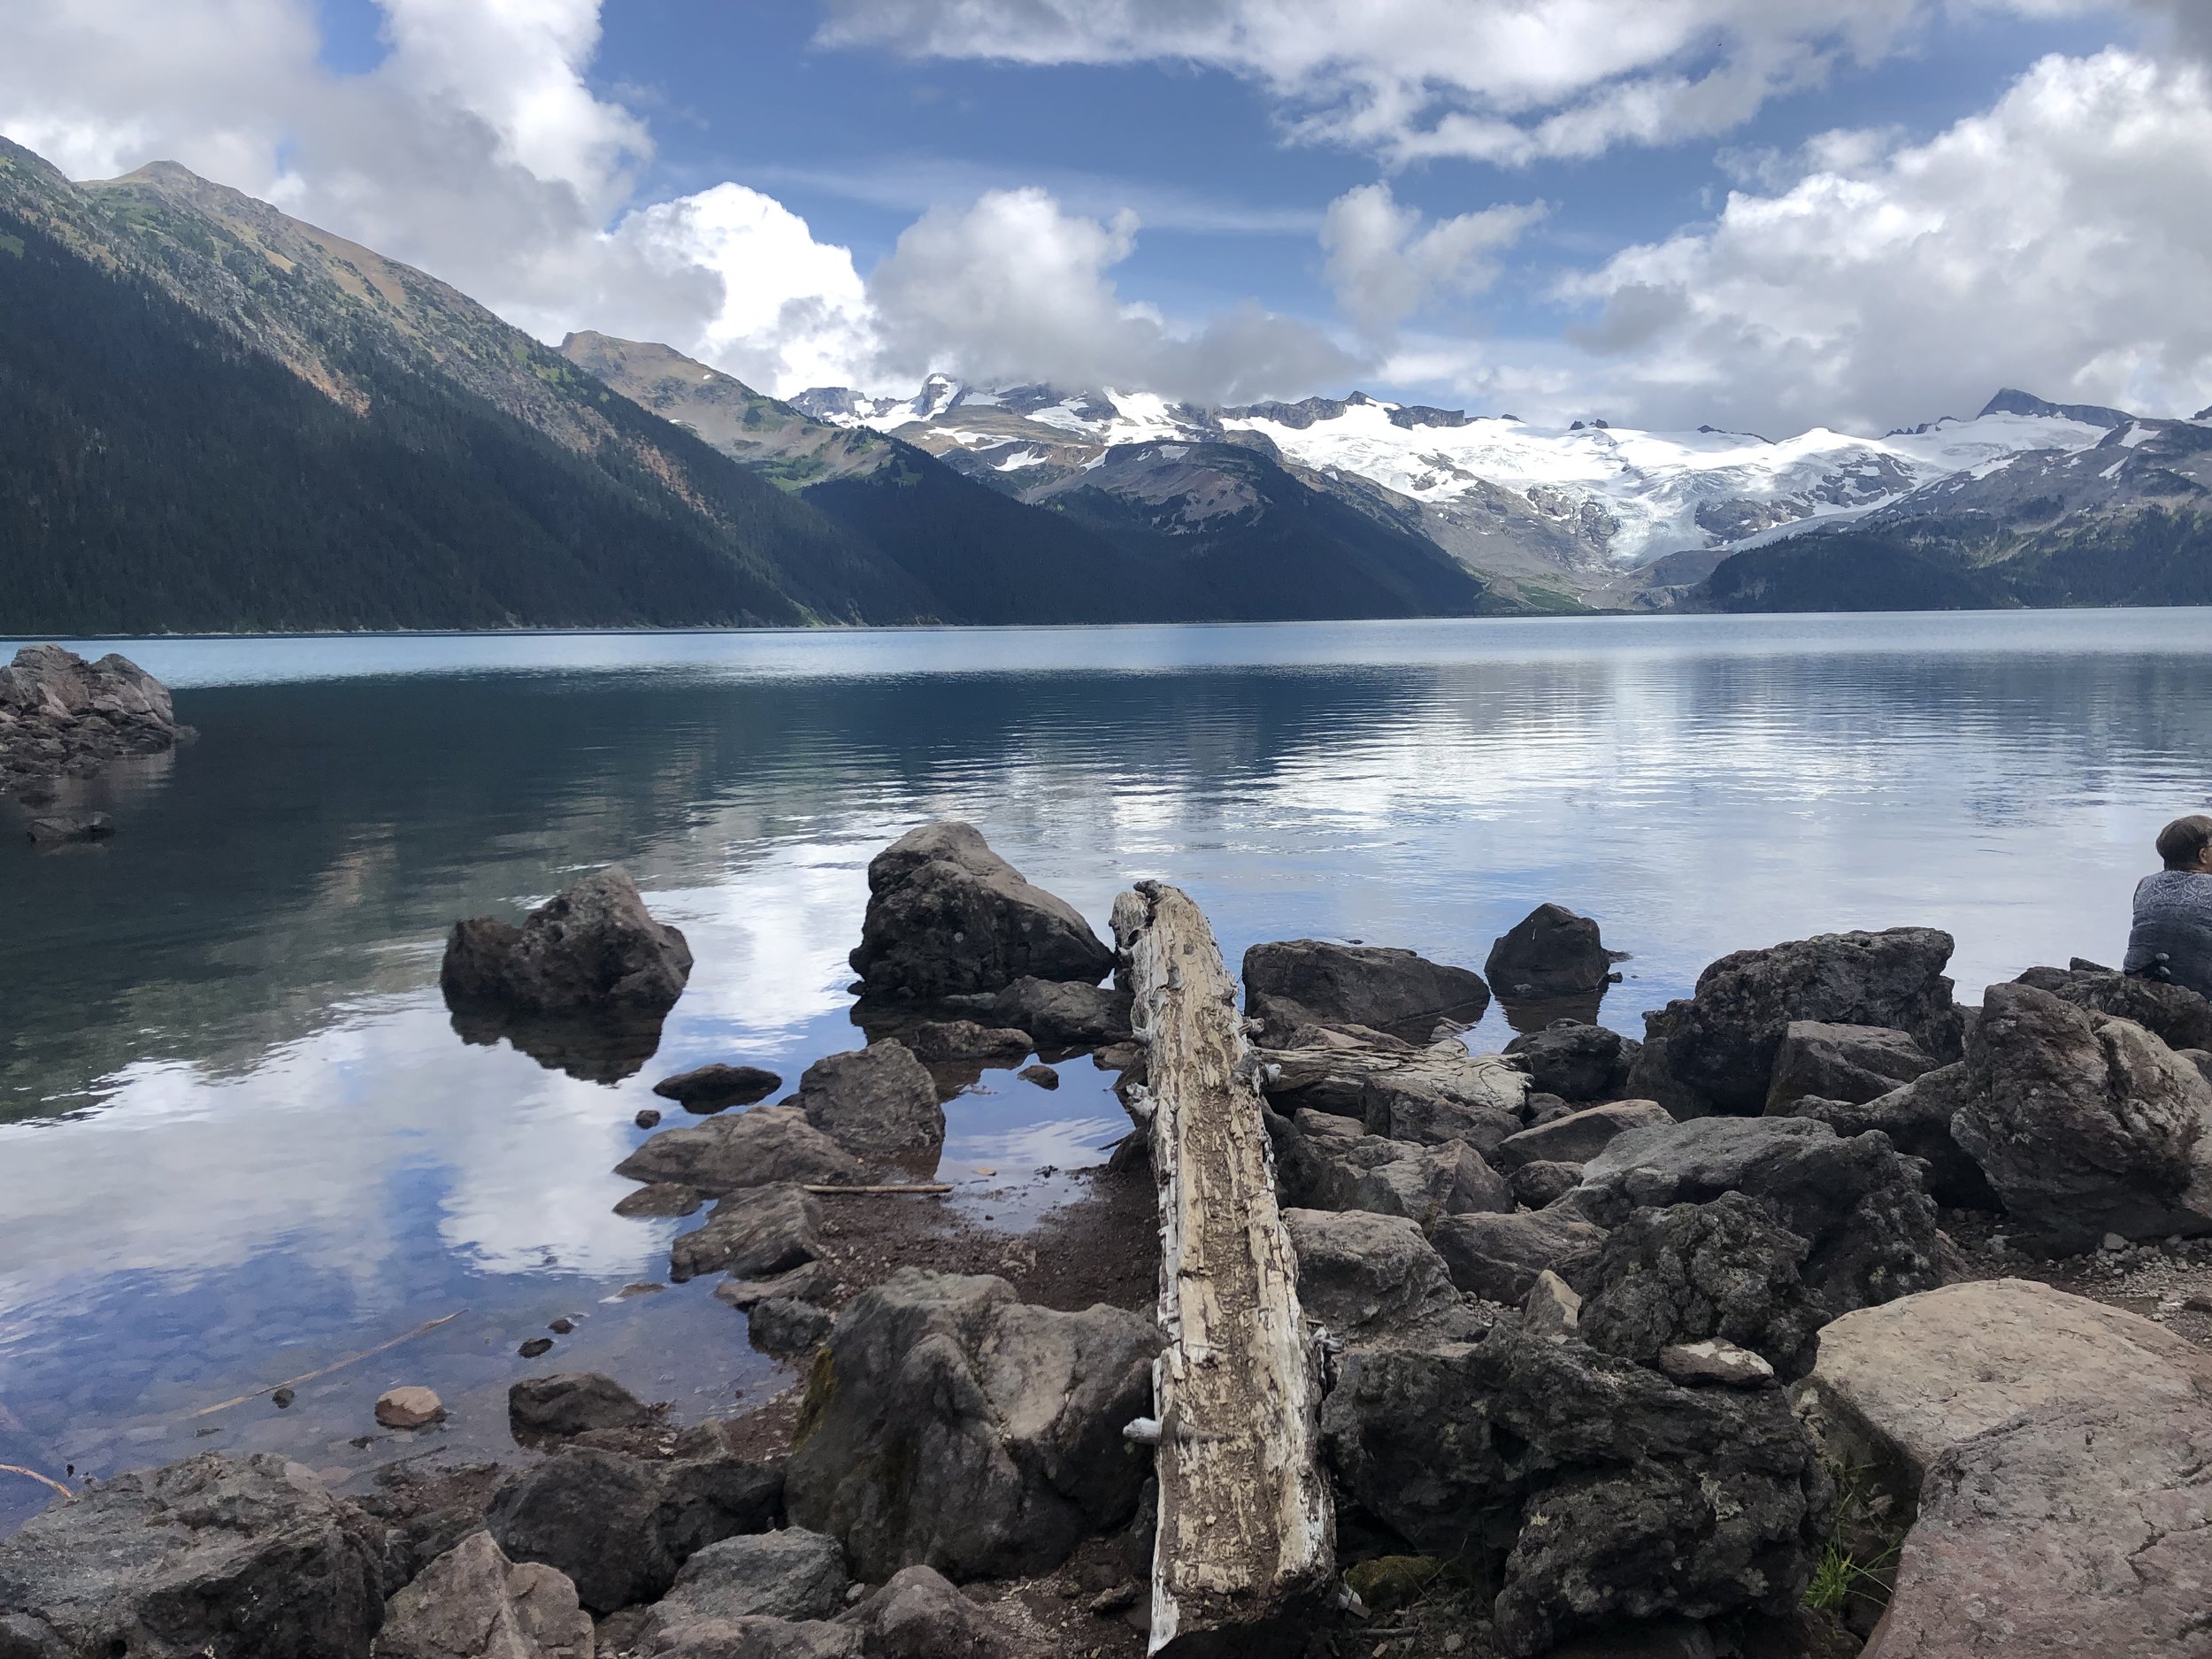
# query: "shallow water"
{"points": [[240, 1138]]}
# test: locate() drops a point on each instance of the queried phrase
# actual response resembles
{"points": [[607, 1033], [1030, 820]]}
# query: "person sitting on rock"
{"points": [[2172, 936]]}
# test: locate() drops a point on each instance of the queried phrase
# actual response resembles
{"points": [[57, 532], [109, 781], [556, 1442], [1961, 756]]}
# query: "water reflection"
{"points": [[239, 1136]]}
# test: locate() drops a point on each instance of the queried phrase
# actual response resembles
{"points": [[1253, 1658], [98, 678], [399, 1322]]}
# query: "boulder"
{"points": [[1714, 1052], [876, 1102], [1553, 1310], [740, 1150], [1574, 1061], [1870, 1228], [752, 1233], [61, 715], [1541, 1185], [791, 1574], [660, 1199], [1577, 1137], [786, 1325], [568, 1403], [1328, 1070], [2176, 1016], [950, 1424], [54, 829], [710, 1088], [942, 1039], [1498, 1257], [472, 1603], [2058, 1448], [1591, 1488], [947, 916], [1916, 1117], [1063, 1013], [755, 1638], [810, 1281], [1365, 1276], [591, 946], [249, 1557], [1856, 1063], [411, 1406], [2084, 1124], [1398, 1178], [1714, 1360], [1549, 952], [621, 1526], [1445, 1093], [1294, 982], [918, 1615], [1691, 1272]]}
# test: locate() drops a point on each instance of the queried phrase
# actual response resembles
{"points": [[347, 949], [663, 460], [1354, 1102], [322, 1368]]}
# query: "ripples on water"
{"points": [[239, 1138]]}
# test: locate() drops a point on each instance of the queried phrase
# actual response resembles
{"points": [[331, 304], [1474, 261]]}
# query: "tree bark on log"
{"points": [[1246, 1543]]}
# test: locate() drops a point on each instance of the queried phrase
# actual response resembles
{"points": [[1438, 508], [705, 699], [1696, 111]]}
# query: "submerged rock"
{"points": [[947, 916], [950, 1424], [472, 1603], [711, 1088], [1296, 982], [1550, 952], [56, 829], [592, 947], [249, 1557], [1716, 1051], [965, 1039]]}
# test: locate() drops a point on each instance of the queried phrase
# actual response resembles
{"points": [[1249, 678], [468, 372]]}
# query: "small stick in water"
{"points": [[350, 1359], [18, 1468], [879, 1191]]}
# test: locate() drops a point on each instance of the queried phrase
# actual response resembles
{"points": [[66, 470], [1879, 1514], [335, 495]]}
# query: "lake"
{"points": [[240, 1139]]}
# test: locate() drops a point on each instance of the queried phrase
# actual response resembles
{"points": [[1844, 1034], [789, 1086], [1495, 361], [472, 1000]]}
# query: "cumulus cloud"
{"points": [[2061, 239], [1384, 267], [1503, 81]]}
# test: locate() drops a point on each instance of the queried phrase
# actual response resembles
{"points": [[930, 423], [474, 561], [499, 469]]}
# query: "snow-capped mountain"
{"points": [[1588, 500]]}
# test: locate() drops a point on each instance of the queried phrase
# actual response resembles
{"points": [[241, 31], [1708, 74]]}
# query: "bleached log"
{"points": [[1247, 1537]]}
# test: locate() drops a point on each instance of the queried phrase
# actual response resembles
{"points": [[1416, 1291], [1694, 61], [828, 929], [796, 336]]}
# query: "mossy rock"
{"points": [[1391, 1581]]}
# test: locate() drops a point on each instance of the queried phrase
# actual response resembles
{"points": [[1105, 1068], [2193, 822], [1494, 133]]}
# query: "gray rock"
{"points": [[1593, 1488], [1367, 1278], [2084, 1124], [950, 1424], [740, 1150], [1576, 1062], [621, 1526], [54, 829], [1870, 1230], [1498, 1257], [1577, 1137], [1690, 1272], [1553, 1310], [1445, 1093], [918, 1615], [570, 1402], [792, 1574], [1916, 1117], [711, 1088], [879, 1101], [1042, 1076], [249, 1557], [756, 1639], [2176, 1016], [661, 1199], [591, 946], [1549, 952], [1063, 1013], [1714, 1052], [472, 1603], [785, 1324], [1541, 1185], [947, 915], [1855, 1063], [810, 1281], [751, 1234], [1397, 1177], [1715, 1360], [61, 715], [965, 1039], [1310, 981]]}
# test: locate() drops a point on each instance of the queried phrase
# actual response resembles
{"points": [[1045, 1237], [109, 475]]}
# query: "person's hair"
{"points": [[2182, 842]]}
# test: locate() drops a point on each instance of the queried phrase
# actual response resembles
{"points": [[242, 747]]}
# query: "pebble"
{"points": [[409, 1408], [647, 1118], [534, 1347], [1043, 1076], [282, 1398], [2113, 1241], [562, 1326]]}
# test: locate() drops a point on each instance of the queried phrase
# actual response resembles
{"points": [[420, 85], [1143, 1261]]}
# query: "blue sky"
{"points": [[1772, 213]]}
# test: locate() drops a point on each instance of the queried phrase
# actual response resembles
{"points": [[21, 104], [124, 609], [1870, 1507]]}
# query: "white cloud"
{"points": [[1504, 80], [2061, 241], [1384, 267]]}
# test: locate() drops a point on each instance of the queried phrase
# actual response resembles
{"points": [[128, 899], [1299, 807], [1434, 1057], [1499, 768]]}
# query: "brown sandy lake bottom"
{"points": [[240, 1138]]}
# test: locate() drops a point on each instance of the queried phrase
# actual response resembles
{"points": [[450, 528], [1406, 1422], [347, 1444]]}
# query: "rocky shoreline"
{"points": [[1833, 1316]]}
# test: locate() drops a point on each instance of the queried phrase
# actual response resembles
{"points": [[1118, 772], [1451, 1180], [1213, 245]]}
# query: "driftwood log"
{"points": [[1246, 1543]]}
